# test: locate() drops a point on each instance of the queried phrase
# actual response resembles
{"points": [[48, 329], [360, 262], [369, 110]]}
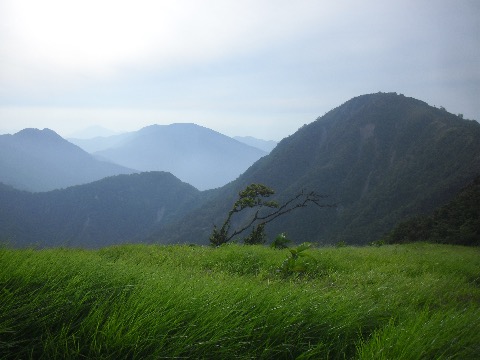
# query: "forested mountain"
{"points": [[41, 160], [380, 157], [123, 208], [197, 155]]}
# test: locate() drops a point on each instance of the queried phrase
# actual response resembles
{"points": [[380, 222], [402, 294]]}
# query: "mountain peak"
{"points": [[40, 160], [32, 133], [200, 156], [42, 137], [389, 105], [381, 157], [155, 128]]}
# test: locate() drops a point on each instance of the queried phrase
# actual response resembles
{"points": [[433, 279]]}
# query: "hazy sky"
{"points": [[246, 67]]}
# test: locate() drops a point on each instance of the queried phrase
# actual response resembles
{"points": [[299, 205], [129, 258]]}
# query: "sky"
{"points": [[261, 68]]}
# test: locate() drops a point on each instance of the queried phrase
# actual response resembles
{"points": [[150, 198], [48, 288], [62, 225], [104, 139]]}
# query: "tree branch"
{"points": [[252, 197]]}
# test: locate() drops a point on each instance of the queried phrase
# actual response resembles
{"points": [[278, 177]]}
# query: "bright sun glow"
{"points": [[102, 35], [83, 34]]}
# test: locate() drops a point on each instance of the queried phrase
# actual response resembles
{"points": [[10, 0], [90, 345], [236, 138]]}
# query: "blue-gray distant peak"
{"points": [[41, 160], [33, 133], [195, 154], [177, 128]]}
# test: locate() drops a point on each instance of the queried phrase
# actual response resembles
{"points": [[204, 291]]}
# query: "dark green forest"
{"points": [[115, 210], [457, 222]]}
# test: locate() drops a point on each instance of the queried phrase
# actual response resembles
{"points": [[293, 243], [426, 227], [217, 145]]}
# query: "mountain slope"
{"points": [[123, 208], [380, 157], [41, 160], [197, 155], [457, 222]]}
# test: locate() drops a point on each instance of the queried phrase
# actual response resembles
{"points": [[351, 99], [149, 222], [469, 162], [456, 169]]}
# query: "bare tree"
{"points": [[254, 196]]}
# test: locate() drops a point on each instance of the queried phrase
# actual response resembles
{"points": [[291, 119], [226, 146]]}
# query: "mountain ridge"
{"points": [[113, 210]]}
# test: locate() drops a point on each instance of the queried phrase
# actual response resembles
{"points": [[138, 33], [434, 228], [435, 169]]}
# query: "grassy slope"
{"points": [[404, 301]]}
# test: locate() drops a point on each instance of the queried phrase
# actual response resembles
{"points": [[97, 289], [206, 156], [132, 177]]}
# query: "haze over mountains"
{"points": [[92, 132], [265, 145], [99, 143], [41, 160], [102, 142], [199, 156], [380, 157]]}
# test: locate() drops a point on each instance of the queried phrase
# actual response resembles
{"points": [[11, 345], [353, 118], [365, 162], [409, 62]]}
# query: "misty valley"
{"points": [[107, 246]]}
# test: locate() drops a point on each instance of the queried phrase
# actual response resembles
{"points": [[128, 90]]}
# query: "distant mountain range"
{"points": [[98, 143], [197, 155], [41, 160], [381, 158]]}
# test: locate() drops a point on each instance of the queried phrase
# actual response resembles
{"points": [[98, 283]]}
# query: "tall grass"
{"points": [[148, 302]]}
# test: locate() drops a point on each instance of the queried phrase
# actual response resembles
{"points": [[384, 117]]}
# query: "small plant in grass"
{"points": [[281, 242], [378, 243], [341, 244], [298, 262]]}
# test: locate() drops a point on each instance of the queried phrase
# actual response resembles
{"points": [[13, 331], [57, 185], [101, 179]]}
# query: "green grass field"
{"points": [[415, 301]]}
